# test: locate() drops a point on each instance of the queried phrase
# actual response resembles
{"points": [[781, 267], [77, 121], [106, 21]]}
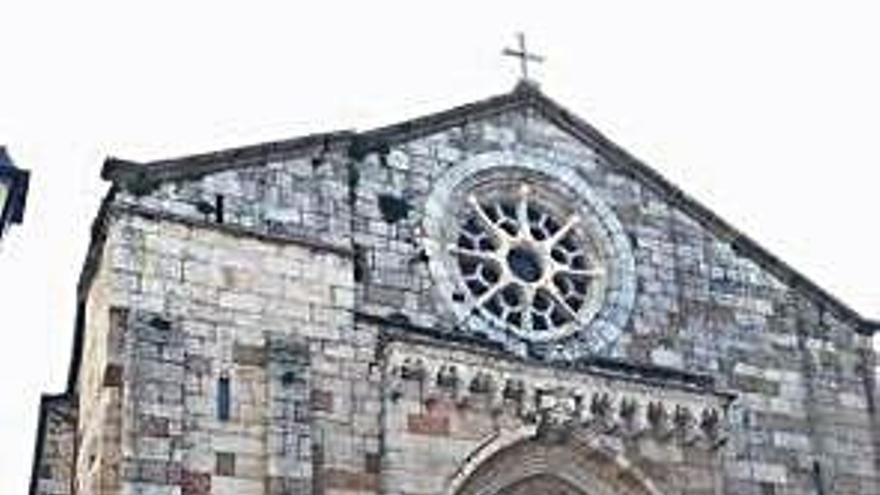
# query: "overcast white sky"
{"points": [[765, 111]]}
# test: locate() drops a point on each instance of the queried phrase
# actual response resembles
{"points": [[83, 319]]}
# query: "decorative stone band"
{"points": [[557, 401]]}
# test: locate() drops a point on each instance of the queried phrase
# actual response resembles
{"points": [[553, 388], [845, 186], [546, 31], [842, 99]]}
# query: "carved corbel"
{"points": [[554, 416], [683, 419], [601, 413], [462, 390], [568, 405], [545, 400], [514, 390], [628, 412], [712, 428], [409, 370], [448, 378], [412, 369], [658, 421], [580, 412], [528, 405], [395, 384], [430, 390], [481, 384], [497, 396]]}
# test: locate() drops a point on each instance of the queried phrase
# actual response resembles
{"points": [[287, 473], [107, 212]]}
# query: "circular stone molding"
{"points": [[523, 247]]}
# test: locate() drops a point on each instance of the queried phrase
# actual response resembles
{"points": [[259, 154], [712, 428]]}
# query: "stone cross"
{"points": [[523, 55]]}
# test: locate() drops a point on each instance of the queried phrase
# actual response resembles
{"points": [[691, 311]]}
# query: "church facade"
{"points": [[494, 299]]}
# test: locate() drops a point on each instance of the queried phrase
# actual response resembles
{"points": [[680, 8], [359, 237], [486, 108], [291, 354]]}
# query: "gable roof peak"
{"points": [[527, 86], [526, 94]]}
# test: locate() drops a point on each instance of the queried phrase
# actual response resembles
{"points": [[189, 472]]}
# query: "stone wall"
{"points": [[304, 197], [190, 306], [97, 392], [285, 280], [54, 463], [806, 416], [450, 412]]}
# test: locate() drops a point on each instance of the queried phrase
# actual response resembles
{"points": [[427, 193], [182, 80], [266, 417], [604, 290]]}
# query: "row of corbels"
{"points": [[632, 416]]}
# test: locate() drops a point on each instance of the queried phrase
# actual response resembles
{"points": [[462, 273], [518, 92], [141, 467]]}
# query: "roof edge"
{"points": [[191, 166], [525, 94], [87, 274], [741, 243], [438, 121]]}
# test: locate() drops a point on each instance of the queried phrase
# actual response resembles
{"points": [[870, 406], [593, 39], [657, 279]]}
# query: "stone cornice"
{"points": [[394, 330], [557, 402]]}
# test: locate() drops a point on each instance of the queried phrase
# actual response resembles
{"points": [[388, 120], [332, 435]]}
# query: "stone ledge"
{"points": [[399, 330], [553, 399]]}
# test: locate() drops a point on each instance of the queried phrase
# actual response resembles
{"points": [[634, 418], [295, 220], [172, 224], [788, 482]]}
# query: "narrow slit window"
{"points": [[223, 398], [218, 208], [817, 478]]}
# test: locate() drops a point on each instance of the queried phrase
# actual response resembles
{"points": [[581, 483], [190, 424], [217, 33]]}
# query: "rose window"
{"points": [[527, 265], [524, 253]]}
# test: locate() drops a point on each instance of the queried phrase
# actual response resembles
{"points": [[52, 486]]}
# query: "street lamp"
{"points": [[13, 192]]}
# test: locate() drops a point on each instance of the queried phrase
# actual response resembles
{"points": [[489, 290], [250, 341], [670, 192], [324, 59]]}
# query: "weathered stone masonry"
{"points": [[291, 284], [53, 469]]}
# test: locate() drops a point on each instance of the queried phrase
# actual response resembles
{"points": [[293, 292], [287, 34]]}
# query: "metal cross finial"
{"points": [[523, 55]]}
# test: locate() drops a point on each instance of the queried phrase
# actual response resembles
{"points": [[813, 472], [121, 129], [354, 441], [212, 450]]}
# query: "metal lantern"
{"points": [[13, 192]]}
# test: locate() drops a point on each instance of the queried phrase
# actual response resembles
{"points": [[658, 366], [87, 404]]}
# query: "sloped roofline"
{"points": [[525, 95], [192, 166], [528, 95]]}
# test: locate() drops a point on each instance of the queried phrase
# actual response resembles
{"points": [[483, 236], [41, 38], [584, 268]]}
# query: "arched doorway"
{"points": [[535, 466]]}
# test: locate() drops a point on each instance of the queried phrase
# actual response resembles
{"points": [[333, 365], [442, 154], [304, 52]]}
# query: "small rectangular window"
{"points": [[218, 208], [223, 398]]}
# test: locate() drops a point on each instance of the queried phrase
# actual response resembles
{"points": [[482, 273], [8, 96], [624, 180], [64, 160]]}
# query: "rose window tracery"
{"points": [[524, 252], [525, 264]]}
